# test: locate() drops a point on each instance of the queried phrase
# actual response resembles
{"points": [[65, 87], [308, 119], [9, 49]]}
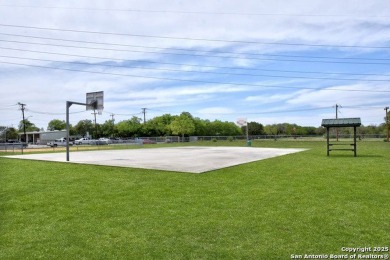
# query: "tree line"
{"points": [[183, 125]]}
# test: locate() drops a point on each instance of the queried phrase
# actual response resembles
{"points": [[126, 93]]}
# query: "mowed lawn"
{"points": [[303, 203]]}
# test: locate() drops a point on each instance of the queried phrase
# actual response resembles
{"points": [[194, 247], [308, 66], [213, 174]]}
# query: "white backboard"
{"points": [[95, 96], [242, 122]]}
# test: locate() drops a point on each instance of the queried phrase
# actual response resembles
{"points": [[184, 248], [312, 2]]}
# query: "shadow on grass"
{"points": [[358, 156]]}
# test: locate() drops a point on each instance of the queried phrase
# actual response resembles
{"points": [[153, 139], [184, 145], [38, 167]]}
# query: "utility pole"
{"points": [[112, 117], [387, 123], [112, 127], [144, 112], [94, 113], [22, 107]]}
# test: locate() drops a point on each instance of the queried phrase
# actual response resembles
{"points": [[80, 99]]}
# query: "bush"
{"points": [[230, 139], [214, 140]]}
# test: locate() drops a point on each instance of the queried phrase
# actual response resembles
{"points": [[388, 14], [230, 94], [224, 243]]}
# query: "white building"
{"points": [[43, 137]]}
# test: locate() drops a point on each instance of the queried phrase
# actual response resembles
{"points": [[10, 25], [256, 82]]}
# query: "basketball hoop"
{"points": [[94, 101], [100, 111]]}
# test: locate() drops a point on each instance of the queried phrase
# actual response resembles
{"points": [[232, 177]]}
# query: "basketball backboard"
{"points": [[94, 100], [242, 122]]}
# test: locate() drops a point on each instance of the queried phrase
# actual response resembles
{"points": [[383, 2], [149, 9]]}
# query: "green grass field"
{"points": [[303, 203]]}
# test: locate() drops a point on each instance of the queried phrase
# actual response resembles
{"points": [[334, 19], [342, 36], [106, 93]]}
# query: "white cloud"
{"points": [[305, 22], [349, 96], [215, 111]]}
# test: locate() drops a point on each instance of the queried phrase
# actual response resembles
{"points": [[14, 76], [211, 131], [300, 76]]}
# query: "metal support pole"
{"points": [[337, 129], [354, 141], [327, 141], [68, 104], [247, 131], [387, 123]]}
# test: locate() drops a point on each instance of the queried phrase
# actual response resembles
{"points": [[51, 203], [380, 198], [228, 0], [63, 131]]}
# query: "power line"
{"points": [[193, 65], [214, 56], [194, 71], [274, 112], [356, 16], [192, 39], [49, 113], [9, 106], [197, 81], [117, 114], [175, 49]]}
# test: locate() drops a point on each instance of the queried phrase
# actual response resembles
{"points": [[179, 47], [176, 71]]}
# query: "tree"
{"points": [[8, 133], [182, 125], [56, 124], [254, 128], [83, 127], [129, 128], [108, 128], [201, 126], [30, 127], [271, 129], [158, 126]]}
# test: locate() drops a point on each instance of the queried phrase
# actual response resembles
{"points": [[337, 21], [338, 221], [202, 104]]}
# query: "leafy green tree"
{"points": [[254, 128], [108, 129], [83, 127], [129, 128], [30, 127], [56, 124], [182, 125], [271, 129], [8, 133], [201, 126], [158, 126], [320, 130], [309, 130]]}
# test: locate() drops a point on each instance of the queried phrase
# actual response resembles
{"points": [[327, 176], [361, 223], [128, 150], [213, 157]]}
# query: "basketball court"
{"points": [[193, 159]]}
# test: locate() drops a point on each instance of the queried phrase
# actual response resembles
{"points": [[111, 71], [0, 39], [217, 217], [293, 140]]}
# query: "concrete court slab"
{"points": [[181, 159]]}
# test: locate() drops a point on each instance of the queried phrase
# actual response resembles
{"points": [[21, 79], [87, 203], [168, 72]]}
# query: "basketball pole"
{"points": [[68, 105]]}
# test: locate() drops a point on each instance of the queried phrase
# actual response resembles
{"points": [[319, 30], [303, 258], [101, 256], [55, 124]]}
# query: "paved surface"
{"points": [[184, 159]]}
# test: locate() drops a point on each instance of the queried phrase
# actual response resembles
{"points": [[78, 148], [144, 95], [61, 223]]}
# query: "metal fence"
{"points": [[11, 147]]}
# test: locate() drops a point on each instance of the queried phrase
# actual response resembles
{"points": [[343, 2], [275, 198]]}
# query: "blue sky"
{"points": [[268, 61]]}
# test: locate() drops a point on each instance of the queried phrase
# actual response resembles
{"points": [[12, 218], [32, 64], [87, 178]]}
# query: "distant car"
{"points": [[58, 142], [17, 142], [148, 141], [105, 140], [84, 140]]}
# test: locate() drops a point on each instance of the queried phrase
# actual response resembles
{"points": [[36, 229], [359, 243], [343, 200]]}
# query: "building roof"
{"points": [[341, 122]]}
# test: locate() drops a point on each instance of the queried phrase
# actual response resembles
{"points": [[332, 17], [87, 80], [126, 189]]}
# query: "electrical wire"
{"points": [[170, 49], [194, 71], [196, 81], [275, 111], [107, 112], [205, 56], [49, 113], [192, 39], [192, 65], [355, 16]]}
